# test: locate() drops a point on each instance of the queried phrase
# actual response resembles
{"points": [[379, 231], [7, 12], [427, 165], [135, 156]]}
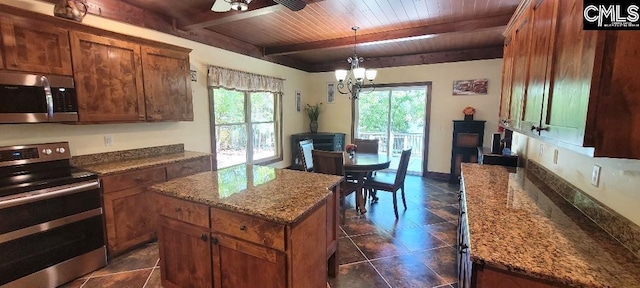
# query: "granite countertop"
{"points": [[517, 224], [278, 195], [120, 166]]}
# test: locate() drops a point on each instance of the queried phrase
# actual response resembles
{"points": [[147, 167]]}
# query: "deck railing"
{"points": [[399, 141]]}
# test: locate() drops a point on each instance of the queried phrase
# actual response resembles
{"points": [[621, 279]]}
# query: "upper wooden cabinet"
{"points": [[579, 86], [167, 84], [35, 46], [108, 74]]}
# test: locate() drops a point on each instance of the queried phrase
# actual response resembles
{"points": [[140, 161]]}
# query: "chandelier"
{"points": [[239, 5], [355, 78]]}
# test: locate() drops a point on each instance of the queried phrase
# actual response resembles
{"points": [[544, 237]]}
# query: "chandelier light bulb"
{"points": [[371, 74], [341, 75], [239, 6], [358, 73]]}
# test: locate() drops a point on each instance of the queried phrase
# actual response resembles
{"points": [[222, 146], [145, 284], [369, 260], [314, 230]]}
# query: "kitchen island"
{"points": [[515, 231], [248, 226]]}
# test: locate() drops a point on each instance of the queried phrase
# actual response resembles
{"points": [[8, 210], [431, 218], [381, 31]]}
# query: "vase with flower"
{"points": [[351, 149], [313, 111], [468, 113]]}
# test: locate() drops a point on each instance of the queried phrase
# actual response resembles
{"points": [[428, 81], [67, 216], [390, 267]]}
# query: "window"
{"points": [[247, 127]]}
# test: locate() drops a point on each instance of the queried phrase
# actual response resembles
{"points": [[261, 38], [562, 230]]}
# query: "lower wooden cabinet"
{"points": [[239, 250], [130, 210], [184, 250]]}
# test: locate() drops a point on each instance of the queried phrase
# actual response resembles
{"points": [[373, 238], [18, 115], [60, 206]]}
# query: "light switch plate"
{"points": [[555, 156], [595, 175], [541, 150], [108, 140]]}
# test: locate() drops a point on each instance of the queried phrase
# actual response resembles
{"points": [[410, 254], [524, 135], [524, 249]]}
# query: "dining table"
{"points": [[359, 165]]}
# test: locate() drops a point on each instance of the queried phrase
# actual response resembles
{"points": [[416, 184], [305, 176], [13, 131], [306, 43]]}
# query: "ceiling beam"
{"points": [[418, 59], [206, 19], [397, 35]]}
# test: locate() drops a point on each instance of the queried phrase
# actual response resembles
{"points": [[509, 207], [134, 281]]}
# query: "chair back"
{"points": [[306, 146], [402, 167], [328, 162], [366, 145]]}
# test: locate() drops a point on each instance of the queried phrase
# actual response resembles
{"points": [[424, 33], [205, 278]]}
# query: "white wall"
{"points": [[87, 139], [444, 106], [619, 178]]}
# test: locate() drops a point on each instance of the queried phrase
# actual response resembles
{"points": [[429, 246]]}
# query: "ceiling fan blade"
{"points": [[221, 6], [294, 5]]}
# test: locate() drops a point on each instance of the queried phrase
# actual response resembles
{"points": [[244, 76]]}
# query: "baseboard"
{"points": [[437, 175]]}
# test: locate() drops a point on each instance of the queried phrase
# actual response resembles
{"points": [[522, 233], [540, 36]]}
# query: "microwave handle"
{"points": [[48, 96]]}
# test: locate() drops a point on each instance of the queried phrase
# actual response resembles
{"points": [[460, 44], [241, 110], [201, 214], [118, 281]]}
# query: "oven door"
{"points": [[47, 239]]}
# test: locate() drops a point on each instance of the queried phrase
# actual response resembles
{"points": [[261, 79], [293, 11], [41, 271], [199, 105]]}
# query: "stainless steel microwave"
{"points": [[33, 98]]}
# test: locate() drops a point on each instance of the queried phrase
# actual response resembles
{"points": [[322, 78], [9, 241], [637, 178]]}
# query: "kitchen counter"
{"points": [[278, 195], [135, 159], [517, 224]]}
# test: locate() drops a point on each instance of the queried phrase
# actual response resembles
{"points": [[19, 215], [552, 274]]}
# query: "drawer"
{"points": [[190, 167], [248, 228], [132, 179], [183, 210]]}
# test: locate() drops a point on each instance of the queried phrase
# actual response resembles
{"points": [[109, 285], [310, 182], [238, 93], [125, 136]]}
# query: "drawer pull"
{"points": [[178, 209], [204, 237], [214, 241], [464, 249], [243, 227]]}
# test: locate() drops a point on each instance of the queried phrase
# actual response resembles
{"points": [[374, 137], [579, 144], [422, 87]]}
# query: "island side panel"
{"points": [[333, 231], [308, 259]]}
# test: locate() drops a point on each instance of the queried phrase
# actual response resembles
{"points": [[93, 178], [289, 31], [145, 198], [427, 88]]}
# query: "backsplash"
{"points": [[99, 158], [622, 229]]}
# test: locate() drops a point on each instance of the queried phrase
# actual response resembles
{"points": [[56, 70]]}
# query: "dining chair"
{"points": [[306, 146], [330, 162], [392, 183], [366, 145]]}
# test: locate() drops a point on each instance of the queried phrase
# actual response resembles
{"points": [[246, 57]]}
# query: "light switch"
{"points": [[595, 175]]}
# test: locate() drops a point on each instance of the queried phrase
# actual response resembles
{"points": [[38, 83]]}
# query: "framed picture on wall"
{"points": [[470, 87], [298, 103], [331, 92]]}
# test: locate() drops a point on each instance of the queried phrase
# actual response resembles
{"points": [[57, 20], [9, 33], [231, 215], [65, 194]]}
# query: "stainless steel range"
{"points": [[51, 223]]}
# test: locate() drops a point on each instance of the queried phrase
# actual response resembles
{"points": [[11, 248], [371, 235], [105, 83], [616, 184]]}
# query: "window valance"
{"points": [[243, 81]]}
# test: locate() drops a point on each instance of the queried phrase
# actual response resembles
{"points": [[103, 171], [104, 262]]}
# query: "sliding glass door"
{"points": [[395, 116]]}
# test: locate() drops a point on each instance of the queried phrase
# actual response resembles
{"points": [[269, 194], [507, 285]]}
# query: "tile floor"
{"points": [[417, 250]]}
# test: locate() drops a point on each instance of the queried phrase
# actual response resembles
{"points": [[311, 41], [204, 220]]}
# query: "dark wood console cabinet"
{"points": [[467, 137], [321, 141]]}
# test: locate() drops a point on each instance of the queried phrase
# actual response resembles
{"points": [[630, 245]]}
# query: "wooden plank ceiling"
{"points": [[319, 37]]}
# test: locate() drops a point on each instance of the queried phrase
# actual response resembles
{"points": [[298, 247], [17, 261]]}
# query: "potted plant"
{"points": [[313, 111]]}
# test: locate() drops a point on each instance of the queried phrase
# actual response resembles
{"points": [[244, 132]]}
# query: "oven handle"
{"points": [[48, 95], [48, 194]]}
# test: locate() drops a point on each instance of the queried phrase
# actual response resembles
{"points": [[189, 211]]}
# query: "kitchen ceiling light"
{"points": [[355, 78]]}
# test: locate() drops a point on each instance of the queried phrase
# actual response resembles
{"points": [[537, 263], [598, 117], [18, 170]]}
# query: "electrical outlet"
{"points": [[541, 150], [595, 175], [555, 156], [108, 140]]}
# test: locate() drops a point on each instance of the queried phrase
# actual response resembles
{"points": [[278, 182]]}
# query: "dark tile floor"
{"points": [[376, 250]]}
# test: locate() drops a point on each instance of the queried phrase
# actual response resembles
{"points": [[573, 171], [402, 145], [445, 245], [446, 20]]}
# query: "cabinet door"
{"points": [[236, 262], [34, 46], [108, 76], [167, 84], [521, 40], [543, 19], [572, 74], [127, 224], [507, 78], [185, 255]]}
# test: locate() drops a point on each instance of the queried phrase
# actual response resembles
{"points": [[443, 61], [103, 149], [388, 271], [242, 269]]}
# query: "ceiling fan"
{"points": [[243, 5]]}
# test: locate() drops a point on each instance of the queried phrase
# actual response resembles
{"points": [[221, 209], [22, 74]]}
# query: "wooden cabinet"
{"points": [[321, 141], [167, 84], [35, 46], [467, 137], [184, 254], [520, 41], [580, 85], [108, 74], [130, 210], [245, 251]]}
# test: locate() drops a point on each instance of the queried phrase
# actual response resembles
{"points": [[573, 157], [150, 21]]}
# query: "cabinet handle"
{"points": [[534, 128], [178, 209], [204, 237], [462, 213], [464, 249], [214, 241], [243, 227], [542, 129], [460, 196]]}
